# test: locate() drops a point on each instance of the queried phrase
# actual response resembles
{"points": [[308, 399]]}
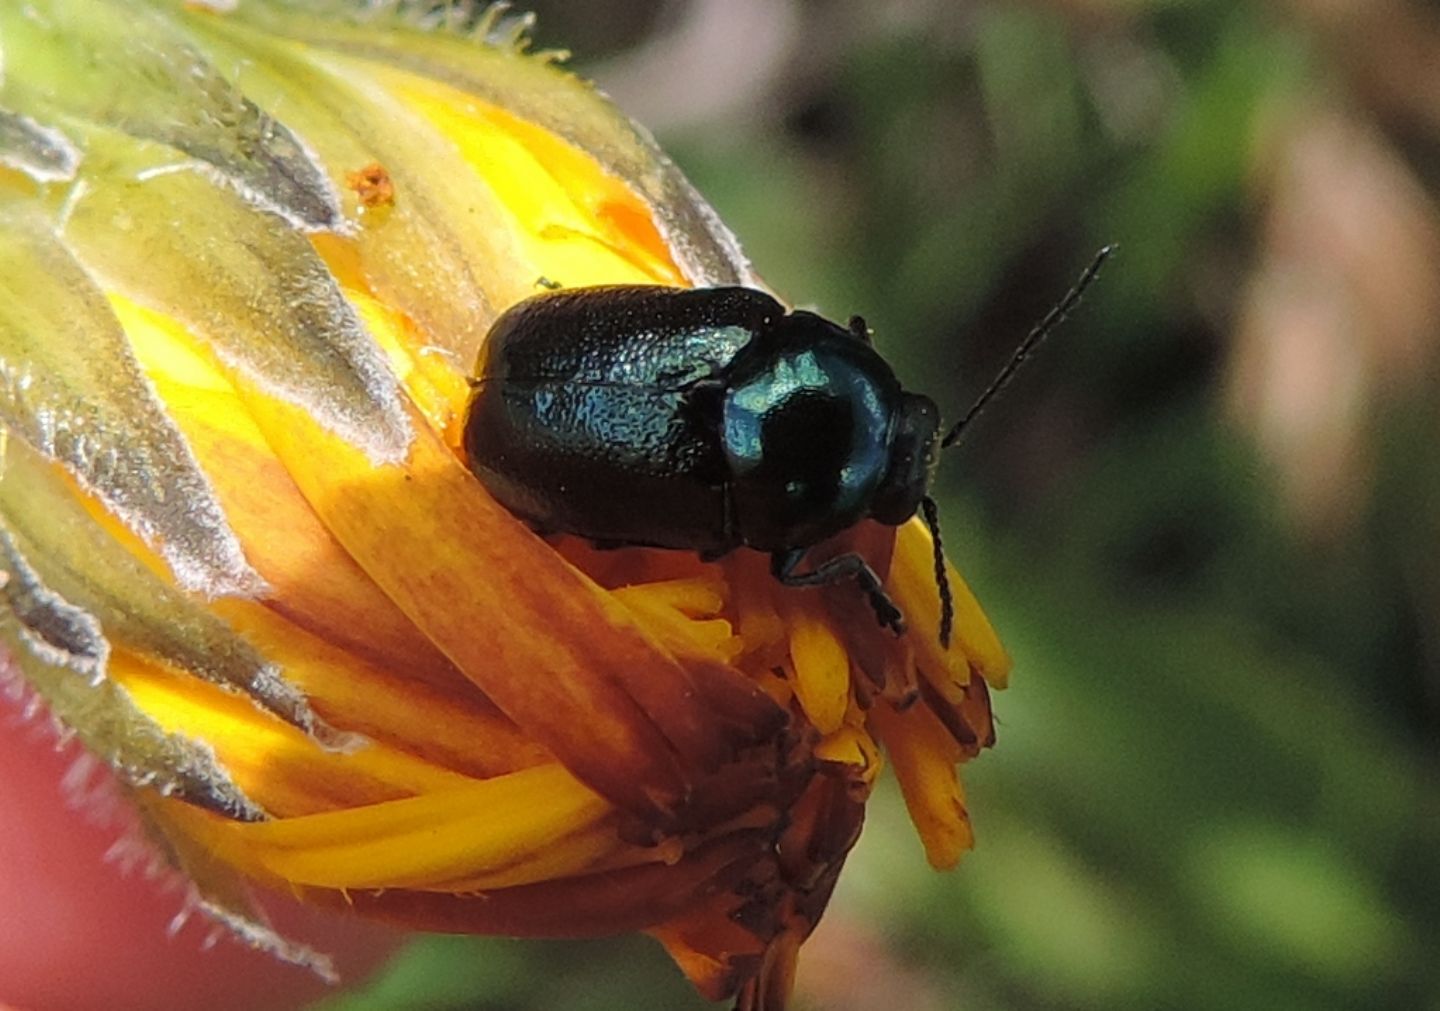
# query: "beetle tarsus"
{"points": [[835, 570]]}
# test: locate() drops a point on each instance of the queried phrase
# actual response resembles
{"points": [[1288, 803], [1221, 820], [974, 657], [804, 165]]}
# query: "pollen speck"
{"points": [[373, 185]]}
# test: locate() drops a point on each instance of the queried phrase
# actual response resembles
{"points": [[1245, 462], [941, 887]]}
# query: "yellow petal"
{"points": [[465, 830]]}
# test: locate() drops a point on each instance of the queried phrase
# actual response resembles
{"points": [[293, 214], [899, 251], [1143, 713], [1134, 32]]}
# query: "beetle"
{"points": [[710, 419]]}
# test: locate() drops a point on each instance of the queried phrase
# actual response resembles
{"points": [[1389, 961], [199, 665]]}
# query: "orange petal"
{"points": [[458, 729], [611, 902], [283, 538], [560, 657]]}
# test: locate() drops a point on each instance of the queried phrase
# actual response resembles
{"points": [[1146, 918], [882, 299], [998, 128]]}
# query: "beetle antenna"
{"points": [[942, 576], [1032, 340]]}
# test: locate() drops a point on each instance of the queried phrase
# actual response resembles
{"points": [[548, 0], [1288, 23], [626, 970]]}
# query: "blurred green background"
{"points": [[1205, 520]]}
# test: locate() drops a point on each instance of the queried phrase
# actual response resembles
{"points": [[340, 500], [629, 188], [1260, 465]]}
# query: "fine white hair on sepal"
{"points": [[43, 153]]}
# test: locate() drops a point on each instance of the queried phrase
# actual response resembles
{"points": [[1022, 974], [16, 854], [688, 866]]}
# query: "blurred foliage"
{"points": [[1205, 520]]}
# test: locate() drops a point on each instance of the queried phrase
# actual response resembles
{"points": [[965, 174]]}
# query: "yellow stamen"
{"points": [[912, 584], [924, 756], [822, 669]]}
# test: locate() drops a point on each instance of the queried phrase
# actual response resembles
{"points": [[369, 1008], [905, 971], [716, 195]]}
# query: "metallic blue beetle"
{"points": [[707, 420]]}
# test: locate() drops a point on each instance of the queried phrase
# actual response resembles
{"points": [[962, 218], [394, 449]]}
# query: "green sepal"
{"points": [[125, 66], [71, 387]]}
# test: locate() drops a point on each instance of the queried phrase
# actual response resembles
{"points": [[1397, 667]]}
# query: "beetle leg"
{"points": [[835, 570], [727, 511]]}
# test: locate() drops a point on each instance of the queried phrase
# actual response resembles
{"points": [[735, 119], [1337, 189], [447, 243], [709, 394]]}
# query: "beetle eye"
{"points": [[913, 454]]}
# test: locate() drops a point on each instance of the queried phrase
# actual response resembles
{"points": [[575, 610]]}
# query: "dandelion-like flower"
{"points": [[247, 255]]}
